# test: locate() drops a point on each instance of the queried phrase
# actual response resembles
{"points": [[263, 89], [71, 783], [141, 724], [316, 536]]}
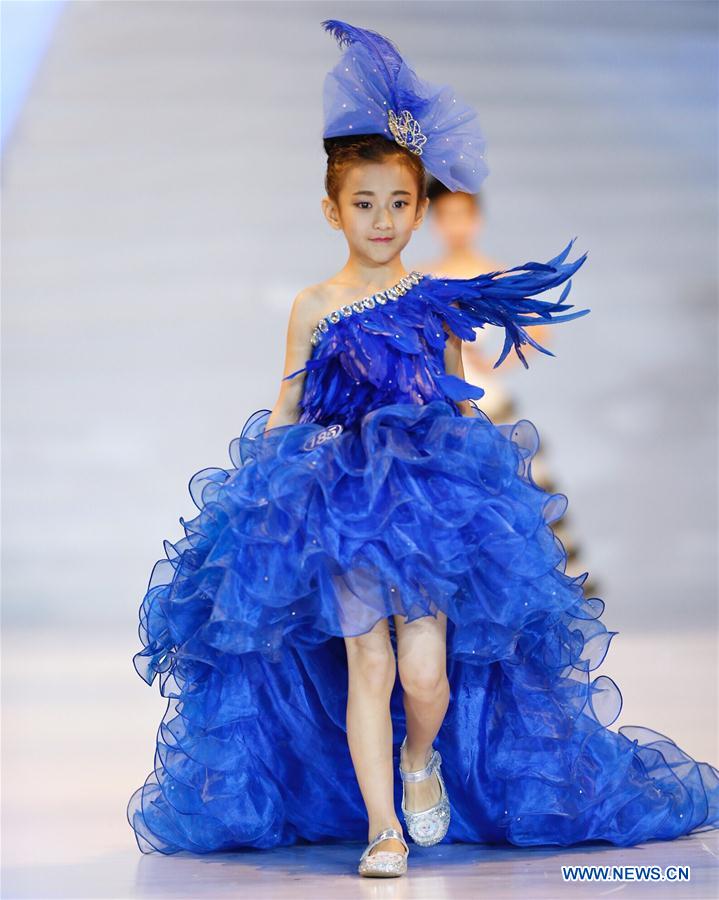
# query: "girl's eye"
{"points": [[363, 204]]}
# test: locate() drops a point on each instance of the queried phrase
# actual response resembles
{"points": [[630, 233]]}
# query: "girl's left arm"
{"points": [[453, 366]]}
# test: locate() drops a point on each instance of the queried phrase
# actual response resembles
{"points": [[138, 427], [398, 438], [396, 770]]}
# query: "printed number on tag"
{"points": [[332, 432]]}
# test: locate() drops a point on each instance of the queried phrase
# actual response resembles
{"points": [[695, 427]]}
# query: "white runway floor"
{"points": [[453, 872]]}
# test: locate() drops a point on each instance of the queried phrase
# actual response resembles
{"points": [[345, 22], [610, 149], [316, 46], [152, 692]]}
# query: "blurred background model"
{"points": [[458, 220]]}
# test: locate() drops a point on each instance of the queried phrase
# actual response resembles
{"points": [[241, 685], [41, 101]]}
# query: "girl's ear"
{"points": [[331, 213]]}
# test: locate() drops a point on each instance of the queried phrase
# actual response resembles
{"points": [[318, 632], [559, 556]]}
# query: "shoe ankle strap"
{"points": [[384, 835], [419, 774]]}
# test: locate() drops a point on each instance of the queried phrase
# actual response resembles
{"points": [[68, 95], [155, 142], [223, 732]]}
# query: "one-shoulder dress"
{"points": [[383, 499]]}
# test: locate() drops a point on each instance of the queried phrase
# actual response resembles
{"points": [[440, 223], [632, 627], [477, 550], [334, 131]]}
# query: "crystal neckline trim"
{"points": [[359, 306]]}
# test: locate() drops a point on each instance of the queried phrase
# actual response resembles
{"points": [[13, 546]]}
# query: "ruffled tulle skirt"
{"points": [[314, 534]]}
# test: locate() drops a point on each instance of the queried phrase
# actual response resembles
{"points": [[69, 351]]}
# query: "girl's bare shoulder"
{"points": [[308, 307], [313, 301]]}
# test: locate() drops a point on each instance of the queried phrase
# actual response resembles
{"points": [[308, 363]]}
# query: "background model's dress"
{"points": [[384, 499]]}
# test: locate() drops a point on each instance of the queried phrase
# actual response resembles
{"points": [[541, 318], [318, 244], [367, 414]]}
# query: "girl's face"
{"points": [[376, 201]]}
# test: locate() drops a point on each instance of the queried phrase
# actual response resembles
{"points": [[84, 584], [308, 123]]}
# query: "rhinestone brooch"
{"points": [[360, 306], [406, 131], [428, 826]]}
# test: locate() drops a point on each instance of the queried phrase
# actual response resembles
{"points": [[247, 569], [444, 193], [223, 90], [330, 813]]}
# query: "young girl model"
{"points": [[376, 521]]}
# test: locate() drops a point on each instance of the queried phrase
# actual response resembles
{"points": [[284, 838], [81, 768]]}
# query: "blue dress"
{"points": [[383, 499]]}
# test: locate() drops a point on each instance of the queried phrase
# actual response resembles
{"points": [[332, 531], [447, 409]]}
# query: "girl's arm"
{"points": [[298, 350], [453, 366]]}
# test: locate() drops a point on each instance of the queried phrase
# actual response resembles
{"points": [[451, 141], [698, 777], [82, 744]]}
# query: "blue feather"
{"points": [[382, 49]]}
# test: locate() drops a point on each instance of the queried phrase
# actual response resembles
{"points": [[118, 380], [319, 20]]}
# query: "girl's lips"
{"points": [[382, 240]]}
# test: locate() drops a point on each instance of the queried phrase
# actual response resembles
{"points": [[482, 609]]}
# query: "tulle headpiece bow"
{"points": [[372, 90]]}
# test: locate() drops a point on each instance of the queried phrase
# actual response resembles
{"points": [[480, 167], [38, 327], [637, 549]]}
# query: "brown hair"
{"points": [[348, 150], [436, 189]]}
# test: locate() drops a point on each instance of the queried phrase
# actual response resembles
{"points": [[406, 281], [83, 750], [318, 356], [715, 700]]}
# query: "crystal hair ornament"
{"points": [[373, 90]]}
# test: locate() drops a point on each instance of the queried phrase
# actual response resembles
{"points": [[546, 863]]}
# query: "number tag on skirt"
{"points": [[332, 432]]}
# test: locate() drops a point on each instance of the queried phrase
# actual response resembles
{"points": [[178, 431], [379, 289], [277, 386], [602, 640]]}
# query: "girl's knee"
{"points": [[371, 661], [422, 677], [422, 656]]}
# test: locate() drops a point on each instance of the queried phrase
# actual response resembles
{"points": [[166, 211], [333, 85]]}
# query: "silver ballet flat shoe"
{"points": [[384, 863], [427, 826]]}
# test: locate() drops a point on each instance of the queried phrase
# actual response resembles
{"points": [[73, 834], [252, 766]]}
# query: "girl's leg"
{"points": [[422, 661], [372, 670]]}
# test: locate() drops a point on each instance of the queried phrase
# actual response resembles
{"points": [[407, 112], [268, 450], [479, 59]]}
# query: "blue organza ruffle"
{"points": [[314, 534]]}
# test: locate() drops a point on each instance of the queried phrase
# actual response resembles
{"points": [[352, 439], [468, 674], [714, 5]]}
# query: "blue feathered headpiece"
{"points": [[372, 90]]}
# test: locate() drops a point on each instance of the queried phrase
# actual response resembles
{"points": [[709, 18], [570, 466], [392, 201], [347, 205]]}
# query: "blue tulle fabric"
{"points": [[387, 501], [371, 78]]}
